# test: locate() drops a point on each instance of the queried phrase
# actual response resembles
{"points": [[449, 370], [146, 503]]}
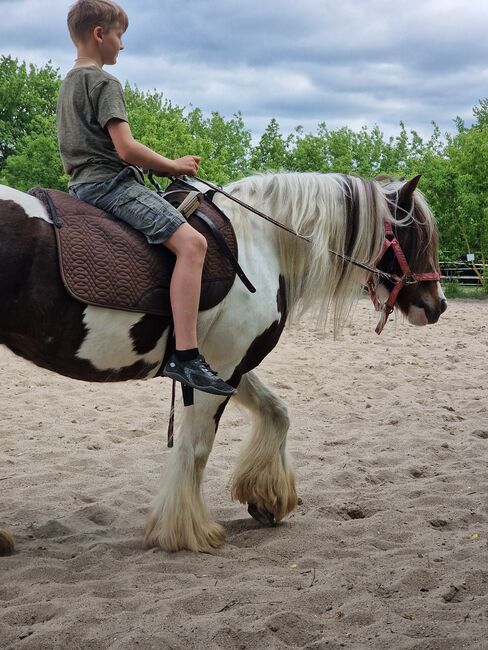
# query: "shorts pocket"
{"points": [[90, 192]]}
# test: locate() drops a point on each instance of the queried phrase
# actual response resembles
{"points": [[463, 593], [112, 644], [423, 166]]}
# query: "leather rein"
{"points": [[390, 240], [216, 188]]}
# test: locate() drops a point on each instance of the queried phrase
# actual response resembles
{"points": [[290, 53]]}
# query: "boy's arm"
{"points": [[135, 153]]}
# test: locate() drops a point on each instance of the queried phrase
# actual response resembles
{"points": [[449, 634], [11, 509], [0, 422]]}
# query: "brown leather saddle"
{"points": [[106, 263]]}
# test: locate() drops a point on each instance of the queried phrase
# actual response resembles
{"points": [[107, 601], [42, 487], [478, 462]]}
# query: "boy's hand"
{"points": [[186, 166]]}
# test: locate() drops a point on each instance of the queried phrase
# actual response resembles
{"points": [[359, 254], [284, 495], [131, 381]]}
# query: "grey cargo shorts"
{"points": [[127, 199]]}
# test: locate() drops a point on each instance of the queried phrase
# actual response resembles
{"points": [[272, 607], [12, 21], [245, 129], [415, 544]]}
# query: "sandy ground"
{"points": [[388, 548]]}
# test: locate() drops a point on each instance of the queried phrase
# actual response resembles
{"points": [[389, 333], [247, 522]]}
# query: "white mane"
{"points": [[316, 205]]}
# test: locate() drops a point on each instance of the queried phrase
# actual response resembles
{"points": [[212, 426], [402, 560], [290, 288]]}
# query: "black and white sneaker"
{"points": [[197, 374]]}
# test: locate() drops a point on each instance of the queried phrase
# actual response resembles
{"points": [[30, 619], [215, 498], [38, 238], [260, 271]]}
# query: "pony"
{"points": [[341, 219]]}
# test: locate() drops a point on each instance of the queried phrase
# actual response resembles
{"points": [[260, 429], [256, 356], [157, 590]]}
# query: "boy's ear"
{"points": [[98, 33]]}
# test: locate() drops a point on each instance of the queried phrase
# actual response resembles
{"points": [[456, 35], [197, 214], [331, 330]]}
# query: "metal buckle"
{"points": [[409, 279]]}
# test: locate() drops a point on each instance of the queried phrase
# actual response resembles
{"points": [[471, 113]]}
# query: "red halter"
{"points": [[407, 278]]}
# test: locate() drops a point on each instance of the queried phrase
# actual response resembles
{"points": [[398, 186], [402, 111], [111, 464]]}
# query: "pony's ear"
{"points": [[406, 193]]}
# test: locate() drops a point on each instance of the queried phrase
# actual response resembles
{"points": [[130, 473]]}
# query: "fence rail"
{"points": [[461, 272]]}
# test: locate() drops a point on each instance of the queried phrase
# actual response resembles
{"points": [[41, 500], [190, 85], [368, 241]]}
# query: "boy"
{"points": [[102, 158]]}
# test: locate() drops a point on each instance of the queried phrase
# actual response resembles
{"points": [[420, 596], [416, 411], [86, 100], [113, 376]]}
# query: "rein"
{"points": [[399, 281], [374, 270]]}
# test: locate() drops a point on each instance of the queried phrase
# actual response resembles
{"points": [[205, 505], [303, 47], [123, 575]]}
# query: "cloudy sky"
{"points": [[343, 62]]}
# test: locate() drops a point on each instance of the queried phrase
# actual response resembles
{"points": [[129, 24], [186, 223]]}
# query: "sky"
{"points": [[347, 63]]}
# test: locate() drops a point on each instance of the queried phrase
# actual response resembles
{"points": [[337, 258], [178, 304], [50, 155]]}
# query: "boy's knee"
{"points": [[193, 246], [187, 242], [197, 244]]}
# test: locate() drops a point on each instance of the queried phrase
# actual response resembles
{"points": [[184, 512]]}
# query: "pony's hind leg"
{"points": [[179, 518], [264, 478]]}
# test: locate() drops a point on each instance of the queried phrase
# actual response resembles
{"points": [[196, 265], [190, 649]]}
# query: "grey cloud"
{"points": [[348, 63]]}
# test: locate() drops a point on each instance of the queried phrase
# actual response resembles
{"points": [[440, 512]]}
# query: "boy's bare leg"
{"points": [[190, 247], [186, 364]]}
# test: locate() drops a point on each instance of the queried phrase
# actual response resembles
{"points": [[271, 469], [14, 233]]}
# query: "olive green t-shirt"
{"points": [[88, 99]]}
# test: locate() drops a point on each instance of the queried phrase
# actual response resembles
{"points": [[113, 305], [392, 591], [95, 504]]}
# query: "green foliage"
{"points": [[272, 152], [224, 145], [157, 123], [454, 168], [37, 161], [456, 186], [453, 289], [26, 93]]}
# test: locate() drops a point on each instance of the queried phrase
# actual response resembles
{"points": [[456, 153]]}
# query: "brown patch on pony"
{"points": [[265, 342], [146, 333], [352, 201], [352, 211], [259, 348], [29, 318], [418, 239]]}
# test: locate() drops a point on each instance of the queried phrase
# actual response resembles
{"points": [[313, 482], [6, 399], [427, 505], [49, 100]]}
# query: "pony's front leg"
{"points": [[264, 477], [179, 518]]}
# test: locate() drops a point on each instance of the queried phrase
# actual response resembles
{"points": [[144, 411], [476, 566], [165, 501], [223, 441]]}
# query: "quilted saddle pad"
{"points": [[106, 263]]}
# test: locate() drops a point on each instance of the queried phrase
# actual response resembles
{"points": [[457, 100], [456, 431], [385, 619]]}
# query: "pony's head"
{"points": [[410, 251]]}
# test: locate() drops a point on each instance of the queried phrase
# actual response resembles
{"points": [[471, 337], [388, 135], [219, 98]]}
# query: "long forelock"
{"points": [[424, 252]]}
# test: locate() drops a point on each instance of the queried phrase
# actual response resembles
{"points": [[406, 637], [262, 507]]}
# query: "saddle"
{"points": [[106, 263]]}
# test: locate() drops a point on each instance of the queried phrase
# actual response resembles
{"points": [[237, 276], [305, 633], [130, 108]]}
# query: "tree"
{"points": [[272, 151], [225, 145], [468, 157], [26, 93], [455, 182], [36, 161]]}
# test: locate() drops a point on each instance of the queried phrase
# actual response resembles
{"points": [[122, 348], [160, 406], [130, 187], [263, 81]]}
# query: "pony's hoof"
{"points": [[262, 515]]}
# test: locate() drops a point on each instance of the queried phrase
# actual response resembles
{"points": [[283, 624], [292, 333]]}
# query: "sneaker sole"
{"points": [[204, 389]]}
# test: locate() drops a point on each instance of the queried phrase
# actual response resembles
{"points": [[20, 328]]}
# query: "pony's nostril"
{"points": [[443, 306]]}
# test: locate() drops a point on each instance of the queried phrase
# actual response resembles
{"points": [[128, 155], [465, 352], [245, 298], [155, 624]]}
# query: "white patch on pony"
{"points": [[442, 295], [382, 293], [226, 331], [108, 344], [417, 316], [31, 206]]}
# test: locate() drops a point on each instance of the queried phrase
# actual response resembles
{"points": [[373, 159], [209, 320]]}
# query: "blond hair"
{"points": [[85, 15]]}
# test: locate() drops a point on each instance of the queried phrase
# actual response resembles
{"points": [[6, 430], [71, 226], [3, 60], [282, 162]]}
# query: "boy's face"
{"points": [[110, 44]]}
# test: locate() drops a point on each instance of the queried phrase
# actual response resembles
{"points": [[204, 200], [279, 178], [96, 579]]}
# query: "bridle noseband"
{"points": [[407, 277]]}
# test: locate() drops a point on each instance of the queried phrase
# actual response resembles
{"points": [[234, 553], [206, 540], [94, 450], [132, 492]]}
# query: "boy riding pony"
{"points": [[103, 161]]}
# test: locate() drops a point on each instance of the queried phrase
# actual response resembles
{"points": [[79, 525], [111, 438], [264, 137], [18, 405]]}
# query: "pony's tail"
{"points": [[7, 542]]}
